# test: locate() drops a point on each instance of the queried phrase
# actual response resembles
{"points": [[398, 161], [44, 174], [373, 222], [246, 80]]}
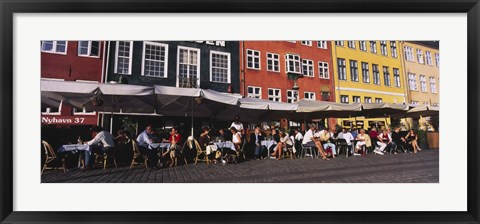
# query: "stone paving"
{"points": [[422, 167]]}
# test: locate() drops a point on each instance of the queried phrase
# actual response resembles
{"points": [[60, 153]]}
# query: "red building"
{"points": [[287, 71], [80, 61]]}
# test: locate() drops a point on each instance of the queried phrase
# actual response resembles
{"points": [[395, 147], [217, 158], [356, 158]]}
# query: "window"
{"points": [[373, 47], [339, 43], [408, 53], [219, 67], [292, 96], [363, 45], [307, 67], [437, 59], [291, 41], [356, 99], [383, 48], [433, 88], [428, 57], [414, 102], [396, 77], [351, 44], [123, 59], [254, 92], [274, 95], [253, 59], [155, 59], [367, 99], [309, 96], [423, 83], [273, 62], [435, 104], [354, 70], [322, 44], [89, 48], [59, 47], [342, 71], [412, 81], [365, 73], [420, 56], [343, 99], [292, 63], [48, 110], [82, 111], [378, 100], [393, 48], [386, 76], [323, 70], [188, 65], [307, 43], [376, 74]]}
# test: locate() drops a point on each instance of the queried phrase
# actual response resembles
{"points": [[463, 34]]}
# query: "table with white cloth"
{"points": [[268, 144], [227, 144], [74, 148], [163, 146]]}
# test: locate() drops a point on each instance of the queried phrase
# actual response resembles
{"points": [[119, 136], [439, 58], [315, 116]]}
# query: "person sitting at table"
{"points": [[103, 142], [274, 137], [237, 124], [412, 139], [384, 140], [206, 143], [345, 134], [256, 139], [236, 138], [309, 140], [354, 133], [326, 138], [398, 139], [297, 141], [174, 141], [144, 140], [361, 141], [284, 143], [121, 137]]}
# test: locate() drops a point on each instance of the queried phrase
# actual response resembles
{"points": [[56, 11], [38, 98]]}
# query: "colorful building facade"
{"points": [[368, 72]]}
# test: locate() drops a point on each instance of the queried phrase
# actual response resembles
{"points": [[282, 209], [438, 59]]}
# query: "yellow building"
{"points": [[421, 66], [368, 72]]}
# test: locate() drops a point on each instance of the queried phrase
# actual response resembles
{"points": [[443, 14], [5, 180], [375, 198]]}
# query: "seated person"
{"points": [[326, 138], [297, 141], [144, 140], [103, 142], [398, 139], [384, 140], [284, 143], [274, 137], [373, 135], [345, 134], [309, 140], [206, 143], [236, 139], [412, 139], [361, 141], [174, 141], [256, 139]]}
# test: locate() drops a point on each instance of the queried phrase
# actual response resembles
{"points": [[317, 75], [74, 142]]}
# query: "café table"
{"points": [[74, 148], [268, 144]]}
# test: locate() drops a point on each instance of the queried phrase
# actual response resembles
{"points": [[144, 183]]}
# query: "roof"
{"points": [[432, 44]]}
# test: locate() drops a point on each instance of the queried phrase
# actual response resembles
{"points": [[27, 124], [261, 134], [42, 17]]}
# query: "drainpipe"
{"points": [[243, 69], [405, 80], [108, 60]]}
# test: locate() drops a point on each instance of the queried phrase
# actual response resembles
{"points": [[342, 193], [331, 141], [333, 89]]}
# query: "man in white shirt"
{"points": [[310, 140], [237, 124], [144, 140], [345, 134], [103, 142]]}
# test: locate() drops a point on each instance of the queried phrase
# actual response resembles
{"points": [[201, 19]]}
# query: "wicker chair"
{"points": [[200, 152], [50, 157], [136, 154]]}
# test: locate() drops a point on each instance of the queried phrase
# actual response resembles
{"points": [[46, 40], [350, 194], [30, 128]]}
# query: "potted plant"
{"points": [[422, 139]]}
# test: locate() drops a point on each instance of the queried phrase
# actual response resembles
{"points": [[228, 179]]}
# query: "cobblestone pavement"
{"points": [[422, 167]]}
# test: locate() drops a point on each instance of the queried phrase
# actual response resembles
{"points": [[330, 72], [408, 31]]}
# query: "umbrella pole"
{"points": [[192, 117]]}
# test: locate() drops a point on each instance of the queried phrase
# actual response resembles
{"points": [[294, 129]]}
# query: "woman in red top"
{"points": [[174, 140]]}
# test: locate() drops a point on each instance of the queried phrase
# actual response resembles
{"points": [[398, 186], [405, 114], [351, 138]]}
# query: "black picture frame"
{"points": [[10, 7]]}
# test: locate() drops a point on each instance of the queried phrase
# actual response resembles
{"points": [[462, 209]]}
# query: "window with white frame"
{"points": [[383, 48], [219, 67], [367, 99], [362, 45], [435, 104], [323, 70], [428, 57], [307, 67], [376, 74], [123, 59], [253, 59], [396, 77], [437, 59], [408, 53], [343, 99], [415, 102], [293, 63], [55, 46], [420, 56], [339, 43], [89, 48], [309, 96], [274, 95], [342, 70], [386, 76], [307, 43], [393, 48], [433, 88], [412, 81], [373, 47], [322, 44], [254, 92], [354, 70], [365, 73], [155, 59], [49, 110], [82, 111], [188, 65], [378, 100], [423, 83], [351, 44], [292, 96], [356, 99], [273, 62]]}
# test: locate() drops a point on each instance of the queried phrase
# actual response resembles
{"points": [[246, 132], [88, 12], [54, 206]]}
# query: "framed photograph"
{"points": [[239, 112]]}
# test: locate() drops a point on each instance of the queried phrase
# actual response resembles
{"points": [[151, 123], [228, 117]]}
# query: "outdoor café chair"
{"points": [[305, 149], [200, 152], [242, 150], [50, 157], [105, 156], [136, 155], [342, 145], [289, 152]]}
